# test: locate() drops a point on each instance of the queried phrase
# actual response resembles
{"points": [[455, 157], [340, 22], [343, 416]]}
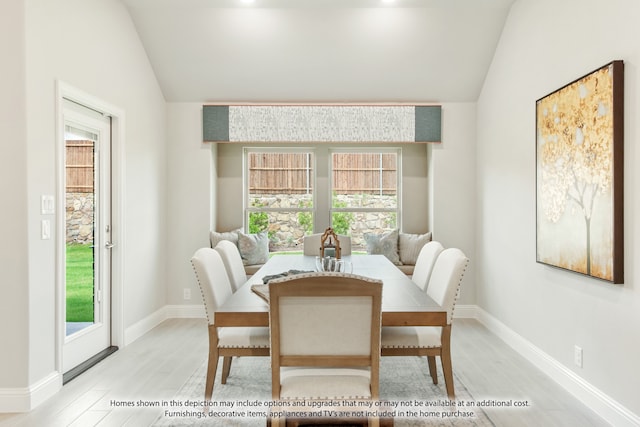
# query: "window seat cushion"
{"points": [[406, 269], [251, 269]]}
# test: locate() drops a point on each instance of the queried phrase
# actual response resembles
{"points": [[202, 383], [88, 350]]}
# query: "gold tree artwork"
{"points": [[575, 172]]}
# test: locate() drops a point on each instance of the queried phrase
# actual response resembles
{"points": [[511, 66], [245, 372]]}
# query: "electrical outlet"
{"points": [[187, 293], [577, 356]]}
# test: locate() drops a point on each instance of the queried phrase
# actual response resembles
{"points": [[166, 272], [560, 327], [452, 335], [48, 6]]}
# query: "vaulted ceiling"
{"points": [[320, 50]]}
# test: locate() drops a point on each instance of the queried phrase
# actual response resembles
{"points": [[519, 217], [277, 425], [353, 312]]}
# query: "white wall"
{"points": [[13, 186], [451, 188], [191, 196], [545, 45], [94, 47]]}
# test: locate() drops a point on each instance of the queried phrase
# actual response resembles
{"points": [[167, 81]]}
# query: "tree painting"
{"points": [[575, 174]]}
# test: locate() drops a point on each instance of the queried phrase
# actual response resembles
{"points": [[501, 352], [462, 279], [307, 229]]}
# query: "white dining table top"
{"points": [[403, 303]]}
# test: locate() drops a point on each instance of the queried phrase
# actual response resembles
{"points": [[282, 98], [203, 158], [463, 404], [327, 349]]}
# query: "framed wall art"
{"points": [[579, 175]]}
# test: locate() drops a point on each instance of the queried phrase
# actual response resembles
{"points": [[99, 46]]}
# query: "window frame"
{"points": [[248, 209], [399, 179]]}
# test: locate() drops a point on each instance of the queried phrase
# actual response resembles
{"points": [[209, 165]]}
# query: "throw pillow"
{"points": [[383, 244], [254, 248], [409, 246], [215, 236]]}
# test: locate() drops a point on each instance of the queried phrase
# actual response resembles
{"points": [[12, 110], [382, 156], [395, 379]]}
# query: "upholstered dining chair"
{"points": [[228, 341], [424, 264], [232, 263], [311, 244], [432, 341], [325, 338]]}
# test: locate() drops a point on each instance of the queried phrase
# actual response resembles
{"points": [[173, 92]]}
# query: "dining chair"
{"points": [[311, 244], [232, 263], [325, 340], [226, 341], [425, 262], [432, 341]]}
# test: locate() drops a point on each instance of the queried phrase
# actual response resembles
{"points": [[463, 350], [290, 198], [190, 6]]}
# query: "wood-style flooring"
{"points": [[157, 365]]}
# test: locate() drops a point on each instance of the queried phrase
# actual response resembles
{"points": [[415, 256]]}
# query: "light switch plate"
{"points": [[47, 205]]}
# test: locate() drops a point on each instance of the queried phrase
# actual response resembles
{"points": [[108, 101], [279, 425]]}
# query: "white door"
{"points": [[87, 239]]}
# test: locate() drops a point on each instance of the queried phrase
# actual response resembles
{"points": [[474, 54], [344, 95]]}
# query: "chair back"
{"points": [[444, 284], [345, 245], [311, 244], [424, 264], [212, 279], [325, 320], [232, 263]]}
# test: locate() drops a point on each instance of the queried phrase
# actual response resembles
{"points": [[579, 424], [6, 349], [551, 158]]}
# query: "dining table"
{"points": [[403, 302]]}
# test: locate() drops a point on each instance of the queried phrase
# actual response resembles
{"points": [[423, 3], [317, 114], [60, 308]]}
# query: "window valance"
{"points": [[322, 123]]}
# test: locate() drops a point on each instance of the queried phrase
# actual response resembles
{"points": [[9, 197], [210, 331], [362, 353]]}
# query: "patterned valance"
{"points": [[321, 123]]}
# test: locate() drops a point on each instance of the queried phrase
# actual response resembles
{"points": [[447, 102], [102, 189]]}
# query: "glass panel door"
{"points": [[80, 228], [87, 188]]}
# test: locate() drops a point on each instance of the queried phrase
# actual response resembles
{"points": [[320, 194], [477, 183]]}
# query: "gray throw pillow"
{"points": [[254, 248], [383, 244]]}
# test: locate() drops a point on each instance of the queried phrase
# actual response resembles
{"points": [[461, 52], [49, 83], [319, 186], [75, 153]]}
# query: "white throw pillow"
{"points": [[215, 237], [254, 248], [409, 246], [383, 244]]}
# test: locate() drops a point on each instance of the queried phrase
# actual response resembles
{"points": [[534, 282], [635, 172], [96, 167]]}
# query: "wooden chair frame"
{"points": [[202, 261], [459, 264], [227, 353], [444, 351], [321, 285]]}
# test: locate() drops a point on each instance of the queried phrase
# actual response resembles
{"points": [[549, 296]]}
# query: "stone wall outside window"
{"points": [[79, 216], [286, 232]]}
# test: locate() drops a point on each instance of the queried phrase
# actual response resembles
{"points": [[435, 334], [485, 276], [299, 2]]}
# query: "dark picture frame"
{"points": [[579, 175]]}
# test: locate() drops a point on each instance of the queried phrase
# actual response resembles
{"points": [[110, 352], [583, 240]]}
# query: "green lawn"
{"points": [[79, 283]]}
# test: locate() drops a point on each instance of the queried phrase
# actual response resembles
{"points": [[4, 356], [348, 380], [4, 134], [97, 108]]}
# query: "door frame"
{"points": [[66, 91]]}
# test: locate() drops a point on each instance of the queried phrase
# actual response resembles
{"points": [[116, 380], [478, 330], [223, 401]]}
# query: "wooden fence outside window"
{"points": [[79, 166], [292, 173]]}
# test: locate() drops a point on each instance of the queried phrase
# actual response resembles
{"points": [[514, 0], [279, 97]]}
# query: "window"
{"points": [[279, 195], [365, 192], [363, 188]]}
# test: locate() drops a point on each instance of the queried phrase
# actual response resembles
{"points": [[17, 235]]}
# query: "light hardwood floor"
{"points": [[156, 366]]}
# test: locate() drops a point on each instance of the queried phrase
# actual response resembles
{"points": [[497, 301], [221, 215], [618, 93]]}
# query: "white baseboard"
{"points": [[186, 312], [465, 312], [143, 326], [602, 404], [24, 399]]}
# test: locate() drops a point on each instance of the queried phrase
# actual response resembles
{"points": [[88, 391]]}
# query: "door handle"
{"points": [[108, 245]]}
